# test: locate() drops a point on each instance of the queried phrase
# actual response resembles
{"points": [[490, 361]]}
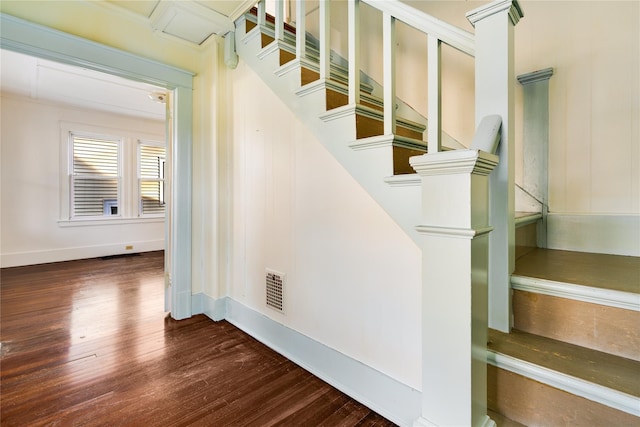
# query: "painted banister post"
{"points": [[455, 242], [535, 86], [389, 78], [495, 86], [301, 30], [434, 97], [262, 13], [279, 21], [354, 51], [325, 44]]}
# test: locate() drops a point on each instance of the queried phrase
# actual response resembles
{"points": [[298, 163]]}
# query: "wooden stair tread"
{"points": [[502, 421], [613, 272], [617, 373]]}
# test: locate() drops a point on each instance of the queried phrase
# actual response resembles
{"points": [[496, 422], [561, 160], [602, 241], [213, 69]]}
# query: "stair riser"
{"points": [[535, 404], [525, 239], [609, 329]]}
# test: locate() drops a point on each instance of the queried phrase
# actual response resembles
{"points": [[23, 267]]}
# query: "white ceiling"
{"points": [[50, 81], [39, 79]]}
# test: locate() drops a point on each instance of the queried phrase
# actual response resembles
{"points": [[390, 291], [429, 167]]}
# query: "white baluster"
{"points": [[434, 98], [389, 64], [262, 13], [279, 20], [301, 32], [325, 46], [354, 51]]}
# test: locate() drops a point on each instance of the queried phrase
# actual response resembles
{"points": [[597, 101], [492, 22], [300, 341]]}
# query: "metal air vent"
{"points": [[275, 288]]}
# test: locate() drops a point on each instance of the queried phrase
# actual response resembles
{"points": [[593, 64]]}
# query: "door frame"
{"points": [[36, 40]]}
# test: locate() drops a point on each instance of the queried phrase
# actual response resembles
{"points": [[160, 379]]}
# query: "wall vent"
{"points": [[275, 288]]}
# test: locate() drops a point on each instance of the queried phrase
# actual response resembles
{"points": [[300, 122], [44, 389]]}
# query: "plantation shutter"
{"points": [[95, 177], [151, 179]]}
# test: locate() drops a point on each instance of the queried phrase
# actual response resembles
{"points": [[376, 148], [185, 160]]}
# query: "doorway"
{"points": [[24, 37]]}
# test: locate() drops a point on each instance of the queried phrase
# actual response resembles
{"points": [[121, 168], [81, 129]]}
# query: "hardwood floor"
{"points": [[86, 343]]}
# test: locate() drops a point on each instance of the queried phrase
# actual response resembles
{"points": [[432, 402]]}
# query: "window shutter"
{"points": [[96, 176]]}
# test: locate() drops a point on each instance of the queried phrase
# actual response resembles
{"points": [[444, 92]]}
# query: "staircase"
{"points": [[549, 370], [573, 357]]}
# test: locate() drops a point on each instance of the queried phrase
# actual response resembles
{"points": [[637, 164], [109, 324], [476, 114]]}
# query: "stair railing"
{"points": [[455, 392]]}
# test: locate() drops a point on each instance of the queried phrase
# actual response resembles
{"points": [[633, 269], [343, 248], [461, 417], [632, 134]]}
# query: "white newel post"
{"points": [[455, 245], [495, 86]]}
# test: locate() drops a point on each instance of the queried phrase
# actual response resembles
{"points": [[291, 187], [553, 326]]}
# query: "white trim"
{"points": [[449, 34], [109, 221], [461, 233], [391, 140], [406, 180], [608, 297], [616, 234], [215, 309], [16, 259], [529, 218], [606, 396], [454, 162], [388, 397], [511, 6]]}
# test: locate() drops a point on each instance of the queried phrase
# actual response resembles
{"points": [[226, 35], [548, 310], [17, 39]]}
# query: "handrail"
{"points": [[455, 37]]}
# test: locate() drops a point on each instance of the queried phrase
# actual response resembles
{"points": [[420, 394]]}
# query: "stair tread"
{"points": [[502, 421], [604, 271], [615, 372]]}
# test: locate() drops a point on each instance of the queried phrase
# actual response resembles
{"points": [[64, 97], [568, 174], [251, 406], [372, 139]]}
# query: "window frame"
{"points": [[129, 193]]}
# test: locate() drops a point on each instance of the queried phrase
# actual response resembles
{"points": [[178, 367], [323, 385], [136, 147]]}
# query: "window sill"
{"points": [[107, 221]]}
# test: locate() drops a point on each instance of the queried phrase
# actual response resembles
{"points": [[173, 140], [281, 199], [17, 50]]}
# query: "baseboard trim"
{"points": [[611, 298], [594, 392], [215, 309], [17, 259], [388, 397], [615, 234]]}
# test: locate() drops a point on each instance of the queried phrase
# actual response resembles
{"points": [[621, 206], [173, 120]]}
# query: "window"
{"points": [[151, 166], [96, 176], [111, 175]]}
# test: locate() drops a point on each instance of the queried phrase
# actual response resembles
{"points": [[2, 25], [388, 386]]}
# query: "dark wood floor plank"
{"points": [[87, 343]]}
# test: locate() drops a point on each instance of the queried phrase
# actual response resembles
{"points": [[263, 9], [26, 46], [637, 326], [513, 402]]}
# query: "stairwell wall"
{"points": [[352, 276]]}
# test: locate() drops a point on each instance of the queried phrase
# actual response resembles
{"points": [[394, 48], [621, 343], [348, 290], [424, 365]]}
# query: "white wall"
{"points": [[352, 275], [30, 189]]}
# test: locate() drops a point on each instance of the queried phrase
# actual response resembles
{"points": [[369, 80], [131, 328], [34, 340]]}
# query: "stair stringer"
{"points": [[369, 167]]}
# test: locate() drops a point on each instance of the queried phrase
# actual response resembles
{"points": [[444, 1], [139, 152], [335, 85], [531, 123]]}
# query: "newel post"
{"points": [[495, 88], [455, 245]]}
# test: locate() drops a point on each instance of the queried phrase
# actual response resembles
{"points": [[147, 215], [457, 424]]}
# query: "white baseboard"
{"points": [[215, 309], [17, 259], [607, 234], [388, 397]]}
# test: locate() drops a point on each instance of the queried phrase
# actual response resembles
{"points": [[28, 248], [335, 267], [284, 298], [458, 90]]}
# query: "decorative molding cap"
{"points": [[535, 76], [454, 162], [458, 233], [512, 7]]}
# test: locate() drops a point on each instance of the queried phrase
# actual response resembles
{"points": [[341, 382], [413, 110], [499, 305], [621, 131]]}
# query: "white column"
{"points": [[455, 242], [389, 78], [301, 31], [325, 43], [536, 141], [495, 85], [434, 97]]}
